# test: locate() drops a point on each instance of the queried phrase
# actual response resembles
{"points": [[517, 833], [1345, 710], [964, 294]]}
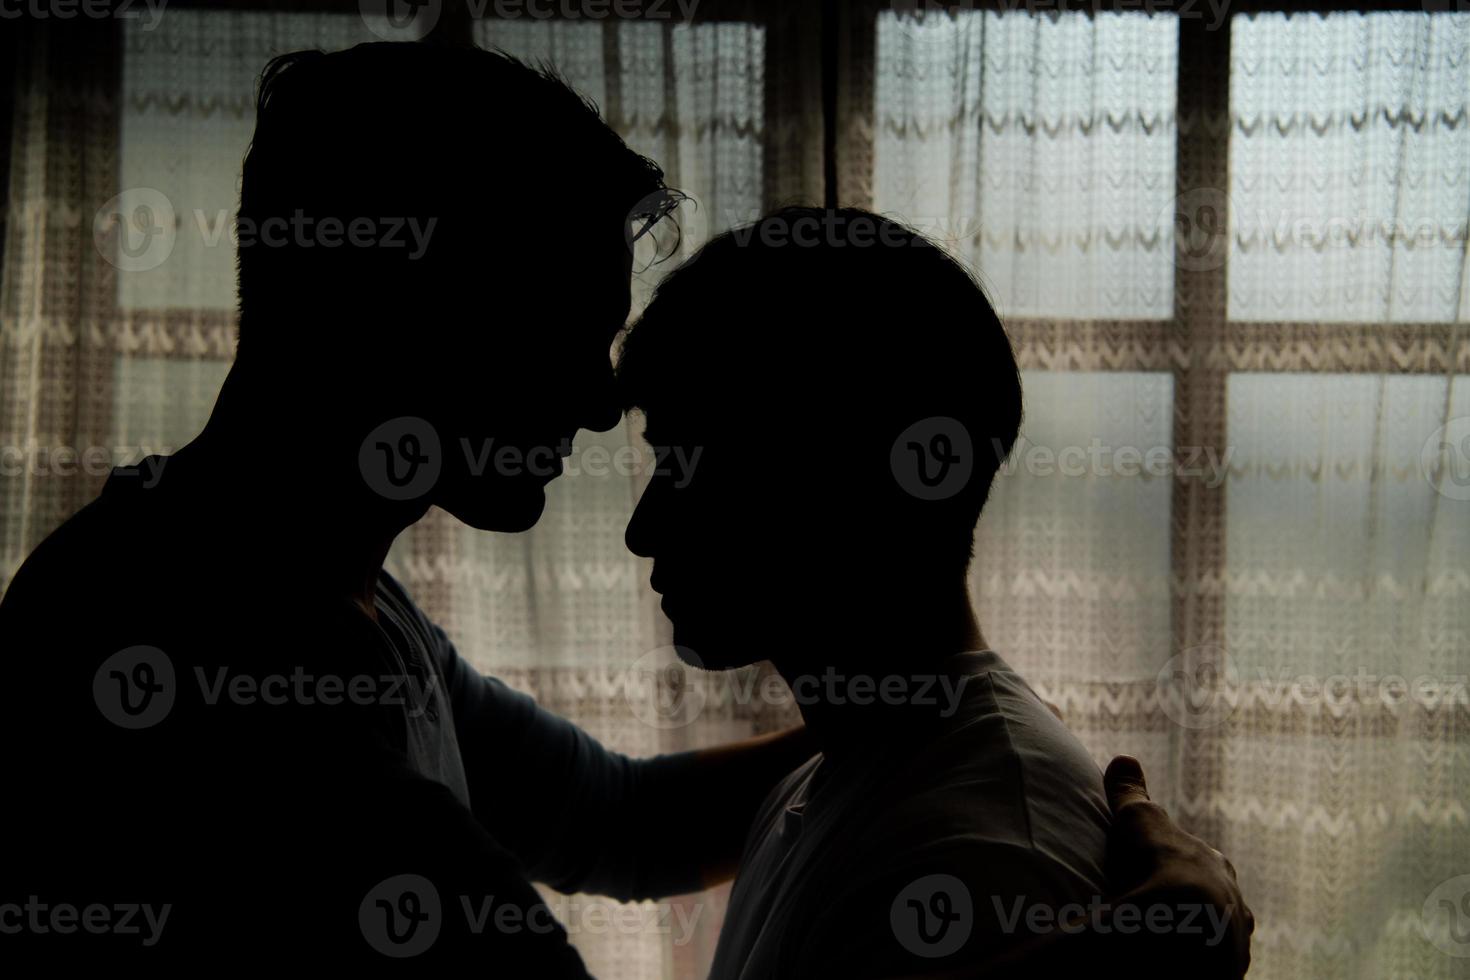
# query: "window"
{"points": [[1243, 244]]}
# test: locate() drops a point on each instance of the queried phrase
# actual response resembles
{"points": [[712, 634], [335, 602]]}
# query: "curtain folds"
{"points": [[1260, 282]]}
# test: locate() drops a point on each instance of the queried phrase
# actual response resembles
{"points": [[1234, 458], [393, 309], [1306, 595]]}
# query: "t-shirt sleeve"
{"points": [[538, 783], [444, 893]]}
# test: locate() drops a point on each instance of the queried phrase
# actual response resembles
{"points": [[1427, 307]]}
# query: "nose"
{"points": [[601, 409], [603, 416]]}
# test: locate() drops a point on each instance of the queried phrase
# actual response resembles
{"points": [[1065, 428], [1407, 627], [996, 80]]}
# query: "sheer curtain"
{"points": [[1274, 617], [115, 344], [1041, 150]]}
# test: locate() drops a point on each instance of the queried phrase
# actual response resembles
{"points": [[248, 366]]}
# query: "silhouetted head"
{"points": [[438, 234], [850, 395]]}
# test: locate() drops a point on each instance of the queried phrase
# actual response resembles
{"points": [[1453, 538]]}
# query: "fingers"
{"points": [[1124, 782]]}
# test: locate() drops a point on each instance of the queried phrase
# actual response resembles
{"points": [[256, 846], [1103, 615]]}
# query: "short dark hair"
{"points": [[387, 130], [842, 328]]}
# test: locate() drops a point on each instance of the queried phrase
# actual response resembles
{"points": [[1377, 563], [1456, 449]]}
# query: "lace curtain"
{"points": [[1275, 616]]}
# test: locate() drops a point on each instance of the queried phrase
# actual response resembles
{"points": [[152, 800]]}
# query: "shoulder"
{"points": [[1004, 772], [72, 550], [1004, 811], [393, 595]]}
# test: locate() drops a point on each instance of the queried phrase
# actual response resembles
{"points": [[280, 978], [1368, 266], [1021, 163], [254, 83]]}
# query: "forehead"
{"points": [[664, 424], [682, 424]]}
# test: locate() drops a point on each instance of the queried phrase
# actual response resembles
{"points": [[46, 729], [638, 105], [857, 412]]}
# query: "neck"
{"points": [[887, 674], [336, 532]]}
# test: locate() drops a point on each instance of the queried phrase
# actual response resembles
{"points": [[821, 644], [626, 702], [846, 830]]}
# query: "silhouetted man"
{"points": [[223, 711], [948, 810], [227, 708]]}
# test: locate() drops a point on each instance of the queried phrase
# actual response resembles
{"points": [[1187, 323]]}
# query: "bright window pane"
{"points": [[1073, 545], [1350, 167], [1041, 148], [1347, 523], [188, 147]]}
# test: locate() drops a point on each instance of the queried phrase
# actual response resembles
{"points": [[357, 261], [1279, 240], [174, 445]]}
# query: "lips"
{"points": [[561, 449]]}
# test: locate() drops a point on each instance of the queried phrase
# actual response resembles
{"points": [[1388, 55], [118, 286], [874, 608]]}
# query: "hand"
{"points": [[1152, 861]]}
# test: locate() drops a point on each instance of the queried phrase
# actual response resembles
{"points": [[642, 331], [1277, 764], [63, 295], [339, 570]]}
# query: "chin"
{"points": [[695, 648], [507, 511]]}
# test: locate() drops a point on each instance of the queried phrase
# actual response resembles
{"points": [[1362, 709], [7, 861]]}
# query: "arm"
{"points": [[1151, 862], [477, 906], [665, 825], [733, 779]]}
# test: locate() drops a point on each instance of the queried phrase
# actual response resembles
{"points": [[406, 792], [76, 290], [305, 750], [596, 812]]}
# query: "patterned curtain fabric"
{"points": [[1272, 613], [1042, 149]]}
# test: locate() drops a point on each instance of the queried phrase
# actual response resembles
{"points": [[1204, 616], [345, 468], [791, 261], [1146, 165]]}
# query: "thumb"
{"points": [[1124, 782]]}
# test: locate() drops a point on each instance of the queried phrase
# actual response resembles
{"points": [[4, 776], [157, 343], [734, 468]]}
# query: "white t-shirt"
{"points": [[929, 851]]}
